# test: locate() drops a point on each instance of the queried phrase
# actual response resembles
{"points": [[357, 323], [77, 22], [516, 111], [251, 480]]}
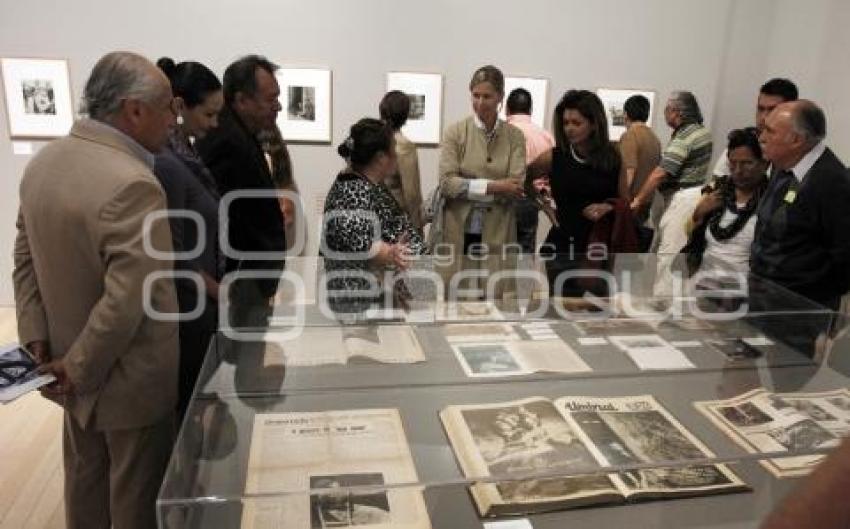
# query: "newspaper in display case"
{"points": [[566, 441], [650, 351], [332, 469], [606, 326], [391, 344], [468, 311], [765, 422], [498, 350]]}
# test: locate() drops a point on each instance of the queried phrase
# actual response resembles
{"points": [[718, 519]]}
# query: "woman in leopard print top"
{"points": [[366, 232]]}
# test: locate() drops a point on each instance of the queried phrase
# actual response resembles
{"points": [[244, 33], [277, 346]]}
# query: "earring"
{"points": [[180, 119]]}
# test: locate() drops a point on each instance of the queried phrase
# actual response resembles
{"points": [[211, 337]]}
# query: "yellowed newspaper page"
{"points": [[346, 458], [389, 344]]}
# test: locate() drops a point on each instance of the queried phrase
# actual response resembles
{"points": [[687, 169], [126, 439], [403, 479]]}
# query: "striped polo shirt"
{"points": [[686, 157]]}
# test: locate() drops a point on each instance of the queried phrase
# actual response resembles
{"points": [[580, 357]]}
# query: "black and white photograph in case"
{"points": [[746, 414], [302, 103], [532, 437], [417, 107], [305, 96], [525, 438], [613, 100], [38, 97], [425, 91], [643, 437], [487, 360], [342, 508], [803, 435], [842, 403], [811, 410]]}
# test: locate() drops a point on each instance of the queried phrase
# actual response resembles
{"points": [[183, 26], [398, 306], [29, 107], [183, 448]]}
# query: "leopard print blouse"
{"points": [[355, 209]]}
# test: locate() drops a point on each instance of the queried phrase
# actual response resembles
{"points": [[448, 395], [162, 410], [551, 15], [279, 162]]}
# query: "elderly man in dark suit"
{"points": [[80, 271], [235, 156], [802, 238]]}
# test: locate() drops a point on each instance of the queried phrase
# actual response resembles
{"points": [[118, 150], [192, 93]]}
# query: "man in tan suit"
{"points": [[80, 267]]}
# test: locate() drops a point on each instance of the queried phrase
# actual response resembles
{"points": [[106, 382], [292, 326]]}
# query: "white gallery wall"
{"points": [[722, 50]]}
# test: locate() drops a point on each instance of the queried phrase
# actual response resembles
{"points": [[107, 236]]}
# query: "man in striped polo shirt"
{"points": [[678, 178]]}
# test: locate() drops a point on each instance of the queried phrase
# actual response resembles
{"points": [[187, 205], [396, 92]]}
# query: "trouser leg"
{"points": [[138, 458], [86, 464]]}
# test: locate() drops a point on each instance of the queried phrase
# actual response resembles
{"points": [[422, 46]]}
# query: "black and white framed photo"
{"points": [[38, 97], [613, 99], [305, 95], [539, 90], [425, 91]]}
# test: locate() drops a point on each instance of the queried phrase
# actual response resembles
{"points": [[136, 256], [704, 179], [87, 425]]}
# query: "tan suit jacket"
{"points": [[405, 186], [80, 266], [467, 154]]}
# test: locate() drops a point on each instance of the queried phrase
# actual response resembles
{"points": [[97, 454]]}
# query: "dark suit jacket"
{"points": [[234, 156], [804, 244]]}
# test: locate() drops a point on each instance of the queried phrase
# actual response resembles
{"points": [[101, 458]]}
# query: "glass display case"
{"points": [[673, 412]]}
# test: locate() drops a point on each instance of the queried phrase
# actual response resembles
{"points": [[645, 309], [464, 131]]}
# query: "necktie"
{"points": [[777, 189]]}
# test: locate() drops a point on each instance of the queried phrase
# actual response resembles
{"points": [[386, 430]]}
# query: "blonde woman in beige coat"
{"points": [[482, 167]]}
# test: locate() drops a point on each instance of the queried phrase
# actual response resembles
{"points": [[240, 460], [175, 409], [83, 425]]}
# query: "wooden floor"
{"points": [[30, 456]]}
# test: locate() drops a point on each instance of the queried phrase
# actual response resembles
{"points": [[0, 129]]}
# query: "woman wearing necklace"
{"points": [[584, 168], [189, 185], [724, 220], [365, 231]]}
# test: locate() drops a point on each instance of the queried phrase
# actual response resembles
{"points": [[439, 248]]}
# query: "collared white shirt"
{"points": [[808, 161], [146, 156]]}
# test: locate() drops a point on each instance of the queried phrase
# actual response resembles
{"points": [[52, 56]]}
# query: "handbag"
{"points": [[432, 213]]}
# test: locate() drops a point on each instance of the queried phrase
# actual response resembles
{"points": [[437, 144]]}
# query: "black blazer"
{"points": [[804, 243], [235, 158]]}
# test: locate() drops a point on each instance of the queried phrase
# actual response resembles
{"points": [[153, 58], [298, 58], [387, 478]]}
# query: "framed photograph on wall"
{"points": [[539, 90], [425, 91], [613, 100], [38, 97], [305, 95]]}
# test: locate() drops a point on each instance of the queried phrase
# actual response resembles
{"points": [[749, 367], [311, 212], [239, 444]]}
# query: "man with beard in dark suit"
{"points": [[235, 157]]}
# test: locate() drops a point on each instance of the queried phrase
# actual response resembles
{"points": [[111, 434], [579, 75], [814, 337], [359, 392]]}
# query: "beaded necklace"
{"points": [[742, 215]]}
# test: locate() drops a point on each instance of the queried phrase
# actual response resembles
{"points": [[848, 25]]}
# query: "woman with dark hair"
{"points": [[404, 184], [190, 186], [365, 231], [724, 220], [585, 172], [482, 168]]}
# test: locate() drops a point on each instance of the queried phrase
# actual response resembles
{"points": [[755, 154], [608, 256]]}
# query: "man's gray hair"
{"points": [[686, 104], [118, 76], [809, 121]]}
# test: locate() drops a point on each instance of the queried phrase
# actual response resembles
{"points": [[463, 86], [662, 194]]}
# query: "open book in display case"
{"points": [[579, 422]]}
